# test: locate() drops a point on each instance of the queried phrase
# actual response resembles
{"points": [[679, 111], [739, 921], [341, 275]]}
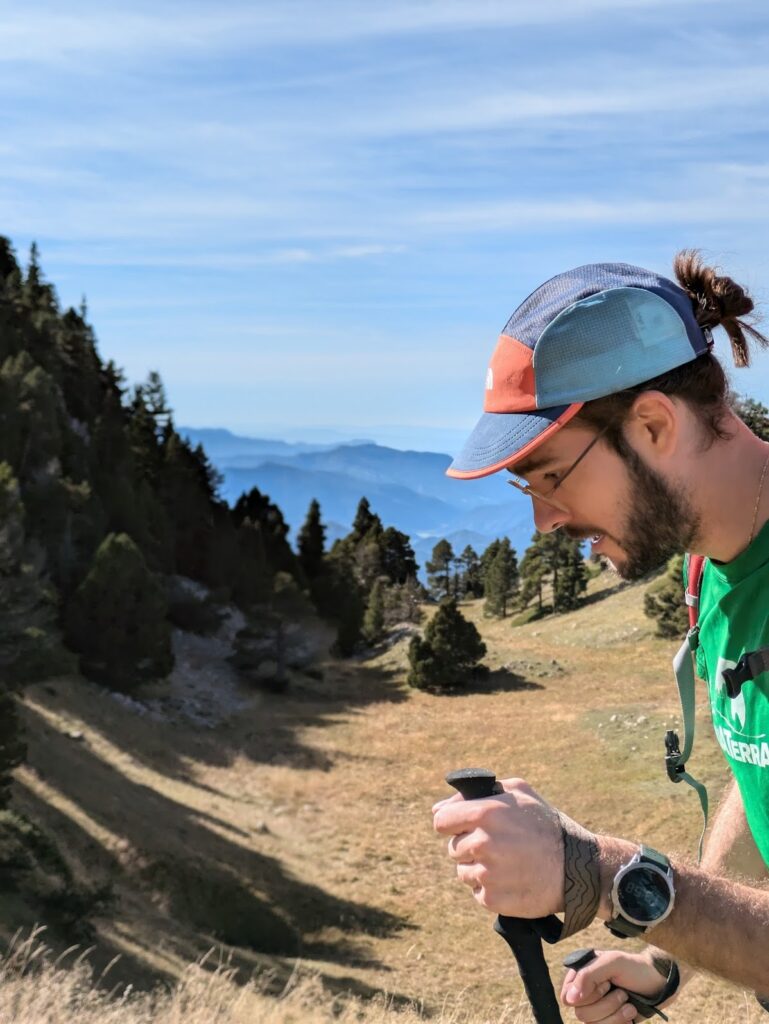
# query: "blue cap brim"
{"points": [[499, 438]]}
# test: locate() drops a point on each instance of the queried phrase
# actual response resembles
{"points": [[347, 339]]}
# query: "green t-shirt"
{"points": [[734, 620]]}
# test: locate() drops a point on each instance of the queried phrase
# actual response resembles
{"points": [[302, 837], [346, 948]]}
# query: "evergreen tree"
{"points": [[439, 569], [116, 618], [397, 556], [311, 542], [374, 619], [664, 601], [266, 517], [533, 571], [29, 640], [471, 581], [570, 580], [556, 559], [487, 557], [366, 522], [347, 600], [153, 393], [448, 656], [501, 583]]}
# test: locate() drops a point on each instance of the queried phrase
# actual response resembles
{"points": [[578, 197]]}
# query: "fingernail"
{"points": [[573, 994], [629, 1011]]}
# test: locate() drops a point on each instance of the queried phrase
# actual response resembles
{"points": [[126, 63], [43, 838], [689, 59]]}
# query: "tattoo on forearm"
{"points": [[581, 876]]}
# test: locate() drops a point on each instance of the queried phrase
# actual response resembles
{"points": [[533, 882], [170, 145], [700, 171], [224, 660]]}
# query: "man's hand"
{"points": [[508, 849], [587, 991]]}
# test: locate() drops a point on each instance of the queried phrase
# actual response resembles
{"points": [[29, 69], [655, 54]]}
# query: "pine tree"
{"points": [[487, 557], [533, 571], [556, 559], [349, 608], [439, 569], [156, 402], [397, 556], [29, 639], [366, 522], [311, 542], [501, 583], [116, 618], [571, 580], [268, 518], [471, 582], [664, 601], [374, 619], [448, 656]]}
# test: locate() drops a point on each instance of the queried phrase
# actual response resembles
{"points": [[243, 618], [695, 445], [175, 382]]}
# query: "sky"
{"points": [[313, 217]]}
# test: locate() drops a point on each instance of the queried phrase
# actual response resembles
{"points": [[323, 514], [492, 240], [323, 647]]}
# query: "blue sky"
{"points": [[312, 216]]}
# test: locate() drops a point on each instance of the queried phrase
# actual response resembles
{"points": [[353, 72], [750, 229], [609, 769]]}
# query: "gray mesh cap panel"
{"points": [[608, 341], [545, 303]]}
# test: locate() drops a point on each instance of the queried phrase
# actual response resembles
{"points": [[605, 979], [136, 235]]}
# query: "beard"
{"points": [[660, 520]]}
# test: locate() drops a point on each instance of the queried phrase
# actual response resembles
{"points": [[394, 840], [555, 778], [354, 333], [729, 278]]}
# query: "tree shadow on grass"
{"points": [[267, 731], [502, 680], [615, 588], [198, 887], [499, 680]]}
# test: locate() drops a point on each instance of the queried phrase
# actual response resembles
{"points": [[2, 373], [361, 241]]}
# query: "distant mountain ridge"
{"points": [[407, 489]]}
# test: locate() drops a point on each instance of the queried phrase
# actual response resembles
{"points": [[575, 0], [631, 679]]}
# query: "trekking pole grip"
{"points": [[523, 936]]}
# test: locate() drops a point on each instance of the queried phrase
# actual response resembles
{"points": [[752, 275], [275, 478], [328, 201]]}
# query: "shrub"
{"points": [[664, 601], [448, 657], [116, 619]]}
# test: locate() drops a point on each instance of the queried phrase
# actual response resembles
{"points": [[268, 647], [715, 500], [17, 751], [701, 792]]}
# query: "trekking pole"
{"points": [[523, 936]]}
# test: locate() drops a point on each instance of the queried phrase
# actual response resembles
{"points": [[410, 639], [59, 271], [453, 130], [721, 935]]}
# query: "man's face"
{"points": [[631, 514]]}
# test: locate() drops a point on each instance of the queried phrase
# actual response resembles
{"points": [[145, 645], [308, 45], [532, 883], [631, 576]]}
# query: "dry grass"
{"points": [[300, 829]]}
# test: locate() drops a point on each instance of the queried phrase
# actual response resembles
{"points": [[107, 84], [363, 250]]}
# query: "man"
{"points": [[606, 403]]}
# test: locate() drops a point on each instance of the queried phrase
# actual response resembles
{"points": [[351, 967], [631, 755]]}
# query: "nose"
{"points": [[547, 518]]}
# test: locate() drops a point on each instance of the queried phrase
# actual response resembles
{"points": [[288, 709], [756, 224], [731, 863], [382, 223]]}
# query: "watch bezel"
{"points": [[634, 865]]}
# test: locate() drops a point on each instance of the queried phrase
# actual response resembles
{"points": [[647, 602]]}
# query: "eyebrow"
{"points": [[531, 465]]}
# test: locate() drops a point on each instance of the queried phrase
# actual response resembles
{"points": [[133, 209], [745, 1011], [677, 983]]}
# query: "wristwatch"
{"points": [[642, 894]]}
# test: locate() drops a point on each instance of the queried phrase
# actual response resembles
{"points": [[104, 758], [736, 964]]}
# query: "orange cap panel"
{"points": [[510, 378]]}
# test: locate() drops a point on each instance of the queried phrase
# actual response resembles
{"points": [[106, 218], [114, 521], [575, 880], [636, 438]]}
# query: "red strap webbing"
{"points": [[694, 566]]}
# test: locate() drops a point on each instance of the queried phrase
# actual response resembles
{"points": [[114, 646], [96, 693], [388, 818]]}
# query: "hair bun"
{"points": [[718, 301]]}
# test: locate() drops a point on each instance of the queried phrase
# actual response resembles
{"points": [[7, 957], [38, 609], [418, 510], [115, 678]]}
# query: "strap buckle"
{"points": [[750, 665], [673, 764]]}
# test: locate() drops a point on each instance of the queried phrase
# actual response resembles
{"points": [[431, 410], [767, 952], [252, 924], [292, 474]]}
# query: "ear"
{"points": [[653, 426]]}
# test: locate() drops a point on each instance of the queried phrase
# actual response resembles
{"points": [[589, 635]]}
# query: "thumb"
{"points": [[590, 983]]}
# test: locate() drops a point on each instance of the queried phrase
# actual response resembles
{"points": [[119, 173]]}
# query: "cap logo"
{"points": [[489, 379]]}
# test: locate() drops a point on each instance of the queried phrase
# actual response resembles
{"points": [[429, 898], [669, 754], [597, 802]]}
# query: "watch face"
{"points": [[643, 894]]}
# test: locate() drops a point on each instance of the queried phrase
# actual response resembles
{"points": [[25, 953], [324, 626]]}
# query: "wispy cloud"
{"points": [[368, 177], [48, 33]]}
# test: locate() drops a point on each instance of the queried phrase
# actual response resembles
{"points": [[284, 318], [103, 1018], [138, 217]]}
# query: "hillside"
{"points": [[298, 826]]}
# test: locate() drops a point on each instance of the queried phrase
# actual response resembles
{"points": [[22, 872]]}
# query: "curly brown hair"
{"points": [[717, 301]]}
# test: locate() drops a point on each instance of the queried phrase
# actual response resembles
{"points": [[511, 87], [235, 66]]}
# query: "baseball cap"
{"points": [[584, 334]]}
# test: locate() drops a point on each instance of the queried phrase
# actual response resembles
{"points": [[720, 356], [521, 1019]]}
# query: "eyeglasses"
{"points": [[522, 486]]}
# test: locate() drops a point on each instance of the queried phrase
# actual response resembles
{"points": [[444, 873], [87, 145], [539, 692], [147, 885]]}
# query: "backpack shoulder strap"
{"points": [[693, 567]]}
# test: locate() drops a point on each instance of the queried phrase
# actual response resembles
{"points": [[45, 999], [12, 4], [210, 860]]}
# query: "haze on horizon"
{"points": [[317, 217]]}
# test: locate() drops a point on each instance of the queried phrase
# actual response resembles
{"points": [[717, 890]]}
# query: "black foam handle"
{"points": [[582, 957], [523, 936]]}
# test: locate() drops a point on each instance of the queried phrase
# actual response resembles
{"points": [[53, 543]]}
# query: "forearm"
{"points": [[716, 925], [729, 850]]}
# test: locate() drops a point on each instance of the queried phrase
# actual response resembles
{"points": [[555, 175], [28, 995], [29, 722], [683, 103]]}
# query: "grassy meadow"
{"points": [[291, 834]]}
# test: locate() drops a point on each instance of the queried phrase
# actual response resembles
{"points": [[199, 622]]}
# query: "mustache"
{"points": [[583, 533]]}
